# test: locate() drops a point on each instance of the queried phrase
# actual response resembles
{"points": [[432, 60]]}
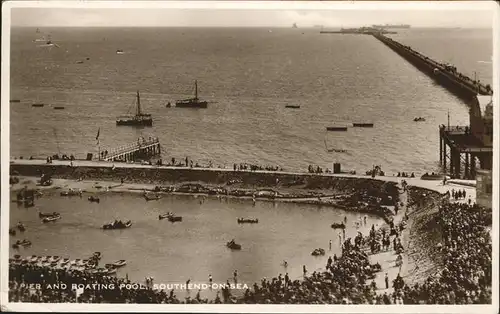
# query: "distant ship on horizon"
{"points": [[294, 25], [392, 26]]}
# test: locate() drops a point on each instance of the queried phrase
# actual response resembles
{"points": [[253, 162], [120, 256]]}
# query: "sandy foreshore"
{"points": [[343, 199]]}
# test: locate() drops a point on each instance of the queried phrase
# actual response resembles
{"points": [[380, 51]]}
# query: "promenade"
{"points": [[434, 185]]}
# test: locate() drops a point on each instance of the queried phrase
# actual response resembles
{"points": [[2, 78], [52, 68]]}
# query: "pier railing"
{"points": [[130, 148], [449, 71]]}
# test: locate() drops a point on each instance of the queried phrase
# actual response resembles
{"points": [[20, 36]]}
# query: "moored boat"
{"points": [[362, 125], [174, 218], [153, 197], [248, 220], [94, 199], [120, 263], [51, 218], [139, 119], [23, 243], [58, 107], [337, 225], [233, 246], [318, 252], [38, 105], [292, 106], [164, 216], [192, 102], [336, 128], [117, 225]]}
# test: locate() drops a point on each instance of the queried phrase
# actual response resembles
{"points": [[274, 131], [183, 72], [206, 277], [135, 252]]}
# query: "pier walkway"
{"points": [[143, 147], [446, 75]]}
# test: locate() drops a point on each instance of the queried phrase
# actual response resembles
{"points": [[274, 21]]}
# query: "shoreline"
{"points": [[339, 200]]}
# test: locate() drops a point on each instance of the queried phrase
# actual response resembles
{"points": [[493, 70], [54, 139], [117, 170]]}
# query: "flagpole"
{"points": [[98, 144]]}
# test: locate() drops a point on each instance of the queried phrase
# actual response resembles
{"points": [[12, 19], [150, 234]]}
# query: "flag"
{"points": [[98, 132]]}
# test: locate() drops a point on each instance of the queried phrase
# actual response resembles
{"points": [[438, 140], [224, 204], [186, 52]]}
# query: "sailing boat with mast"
{"points": [[139, 119], [192, 102]]}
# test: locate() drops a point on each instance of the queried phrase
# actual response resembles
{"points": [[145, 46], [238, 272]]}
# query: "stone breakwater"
{"points": [[347, 192], [165, 176]]}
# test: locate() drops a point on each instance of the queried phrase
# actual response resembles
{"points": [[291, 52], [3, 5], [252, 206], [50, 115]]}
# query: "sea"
{"points": [[248, 75]]}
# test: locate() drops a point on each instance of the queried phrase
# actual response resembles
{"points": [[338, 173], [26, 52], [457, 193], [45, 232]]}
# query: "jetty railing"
{"points": [[150, 145]]}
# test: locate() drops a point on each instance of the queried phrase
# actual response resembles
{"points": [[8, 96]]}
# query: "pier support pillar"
{"points": [[473, 166], [444, 157], [455, 163], [467, 169], [440, 148]]}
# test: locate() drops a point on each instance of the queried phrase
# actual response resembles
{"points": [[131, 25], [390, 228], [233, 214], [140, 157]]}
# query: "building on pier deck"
{"points": [[461, 147]]}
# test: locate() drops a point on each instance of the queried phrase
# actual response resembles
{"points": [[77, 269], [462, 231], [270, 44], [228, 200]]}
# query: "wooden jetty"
{"points": [[142, 149]]}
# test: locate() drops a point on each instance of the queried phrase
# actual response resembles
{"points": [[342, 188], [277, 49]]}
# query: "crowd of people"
{"points": [[466, 250], [23, 274], [251, 167]]}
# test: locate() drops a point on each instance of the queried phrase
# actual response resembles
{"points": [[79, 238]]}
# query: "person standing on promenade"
{"points": [[330, 245], [304, 270], [210, 280], [235, 276], [386, 281]]}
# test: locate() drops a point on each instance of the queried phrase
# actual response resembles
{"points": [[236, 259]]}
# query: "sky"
{"points": [[282, 14]]}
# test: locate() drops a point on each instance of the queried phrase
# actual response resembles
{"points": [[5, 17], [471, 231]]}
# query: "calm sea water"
{"points": [[250, 75], [193, 248]]}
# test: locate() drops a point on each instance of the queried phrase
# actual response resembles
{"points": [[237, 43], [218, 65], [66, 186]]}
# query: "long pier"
{"points": [[143, 148], [446, 75]]}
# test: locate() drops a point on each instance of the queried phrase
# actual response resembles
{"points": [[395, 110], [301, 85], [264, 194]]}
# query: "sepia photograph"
{"points": [[224, 156]]}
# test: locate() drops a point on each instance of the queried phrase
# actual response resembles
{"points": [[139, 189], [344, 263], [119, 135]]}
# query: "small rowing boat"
{"points": [[362, 125], [336, 128], [51, 218], [120, 263]]}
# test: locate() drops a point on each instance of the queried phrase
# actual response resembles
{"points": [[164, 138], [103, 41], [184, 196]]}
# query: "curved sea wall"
{"points": [[252, 179]]}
